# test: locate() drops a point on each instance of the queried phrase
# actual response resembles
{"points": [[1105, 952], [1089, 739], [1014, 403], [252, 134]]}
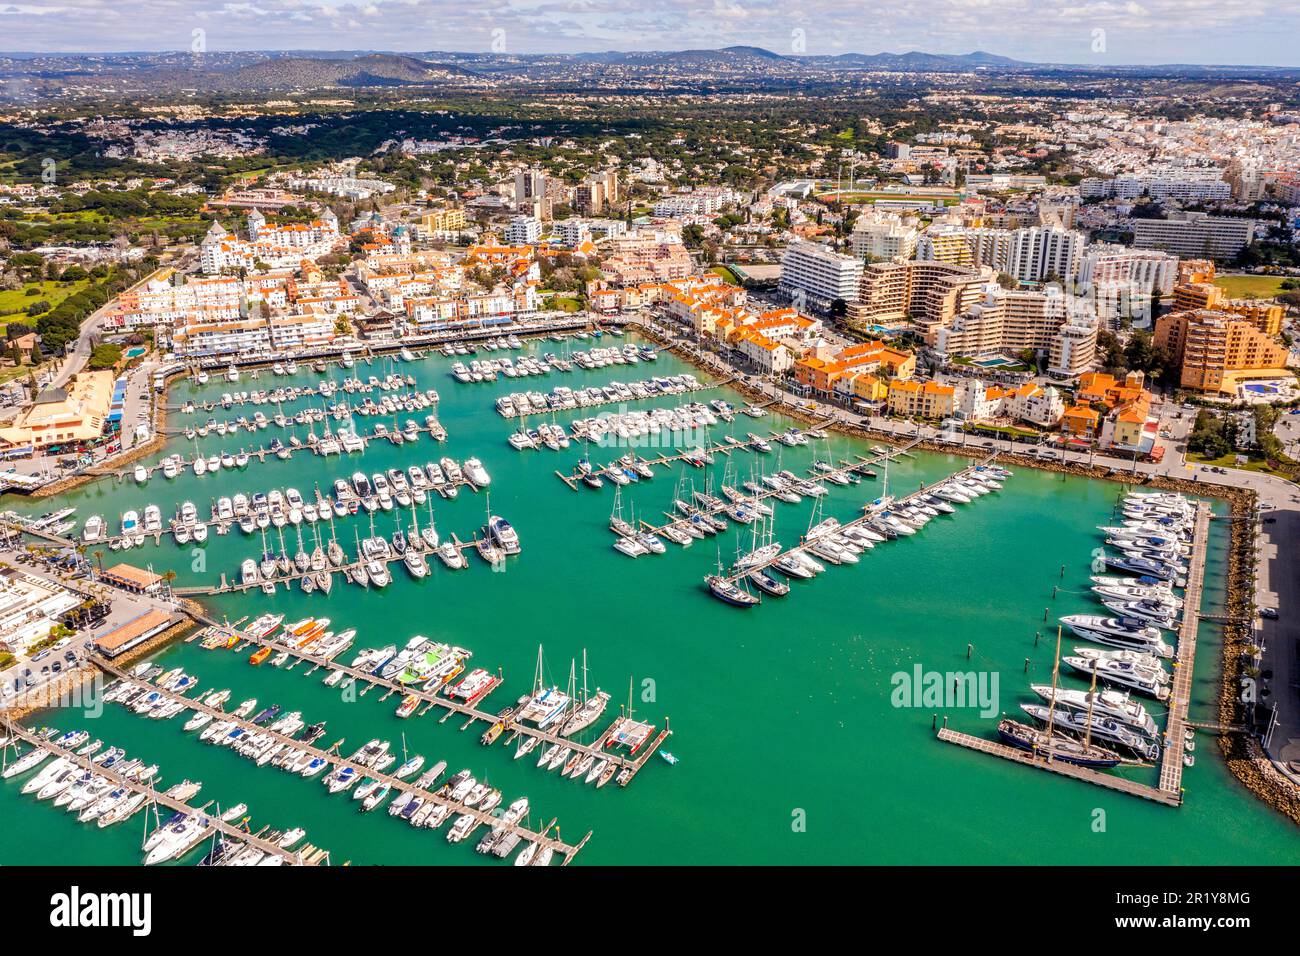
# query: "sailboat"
{"points": [[1051, 744], [728, 591], [616, 523], [589, 711]]}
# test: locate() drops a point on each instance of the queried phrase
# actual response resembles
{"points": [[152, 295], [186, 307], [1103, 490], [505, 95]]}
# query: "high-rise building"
{"points": [[947, 244], [1266, 316], [1148, 270], [1008, 322], [1037, 255], [529, 184], [1216, 351], [927, 293], [883, 236], [819, 274], [1030, 254], [1195, 235], [597, 192]]}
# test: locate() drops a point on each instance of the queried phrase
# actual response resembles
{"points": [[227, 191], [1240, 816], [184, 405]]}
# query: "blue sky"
{"points": [[1069, 31]]}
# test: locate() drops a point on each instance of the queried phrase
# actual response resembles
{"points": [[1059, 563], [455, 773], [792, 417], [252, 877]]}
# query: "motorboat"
{"points": [[1122, 632]]}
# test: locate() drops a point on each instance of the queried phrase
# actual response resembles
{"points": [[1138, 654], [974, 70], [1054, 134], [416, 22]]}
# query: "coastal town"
{"points": [[249, 390]]}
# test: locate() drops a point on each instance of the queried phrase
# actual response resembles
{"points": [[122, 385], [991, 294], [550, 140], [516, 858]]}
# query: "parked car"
{"points": [[1268, 612]]}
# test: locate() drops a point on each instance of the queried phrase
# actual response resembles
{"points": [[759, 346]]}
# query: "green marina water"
{"points": [[790, 747]]}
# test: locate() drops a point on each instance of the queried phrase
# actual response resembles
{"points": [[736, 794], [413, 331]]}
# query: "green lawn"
{"points": [[1250, 287], [10, 373], [727, 274], [1253, 463], [14, 302]]}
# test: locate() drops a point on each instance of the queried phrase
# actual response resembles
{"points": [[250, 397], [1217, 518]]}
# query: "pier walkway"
{"points": [[400, 786], [347, 569], [261, 453], [472, 712], [155, 796], [49, 537], [1180, 694]]}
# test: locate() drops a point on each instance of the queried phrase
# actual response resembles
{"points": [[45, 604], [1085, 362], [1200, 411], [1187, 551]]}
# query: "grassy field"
{"points": [[566, 303], [1250, 287], [14, 302], [727, 274], [1253, 463], [10, 373]]}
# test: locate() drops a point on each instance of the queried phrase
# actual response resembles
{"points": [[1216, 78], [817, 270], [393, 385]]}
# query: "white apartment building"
{"points": [[1195, 235], [699, 202], [577, 229], [348, 187], [819, 274], [275, 247], [1074, 350], [1193, 185], [1028, 255], [1037, 253], [530, 185], [1150, 270], [201, 339], [884, 236], [523, 231]]}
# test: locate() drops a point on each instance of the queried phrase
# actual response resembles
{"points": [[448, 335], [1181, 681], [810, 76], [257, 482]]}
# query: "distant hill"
{"points": [[32, 78], [375, 69]]}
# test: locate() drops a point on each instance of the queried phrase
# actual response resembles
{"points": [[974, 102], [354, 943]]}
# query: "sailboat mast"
{"points": [[584, 675], [1092, 696], [1051, 706]]}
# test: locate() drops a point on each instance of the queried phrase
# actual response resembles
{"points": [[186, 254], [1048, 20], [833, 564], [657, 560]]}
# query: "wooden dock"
{"points": [[472, 712], [156, 796], [1084, 774], [400, 786], [46, 536], [1180, 694]]}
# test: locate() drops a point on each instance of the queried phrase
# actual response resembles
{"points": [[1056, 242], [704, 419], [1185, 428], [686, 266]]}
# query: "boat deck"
{"points": [[577, 409], [227, 587], [261, 453]]}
